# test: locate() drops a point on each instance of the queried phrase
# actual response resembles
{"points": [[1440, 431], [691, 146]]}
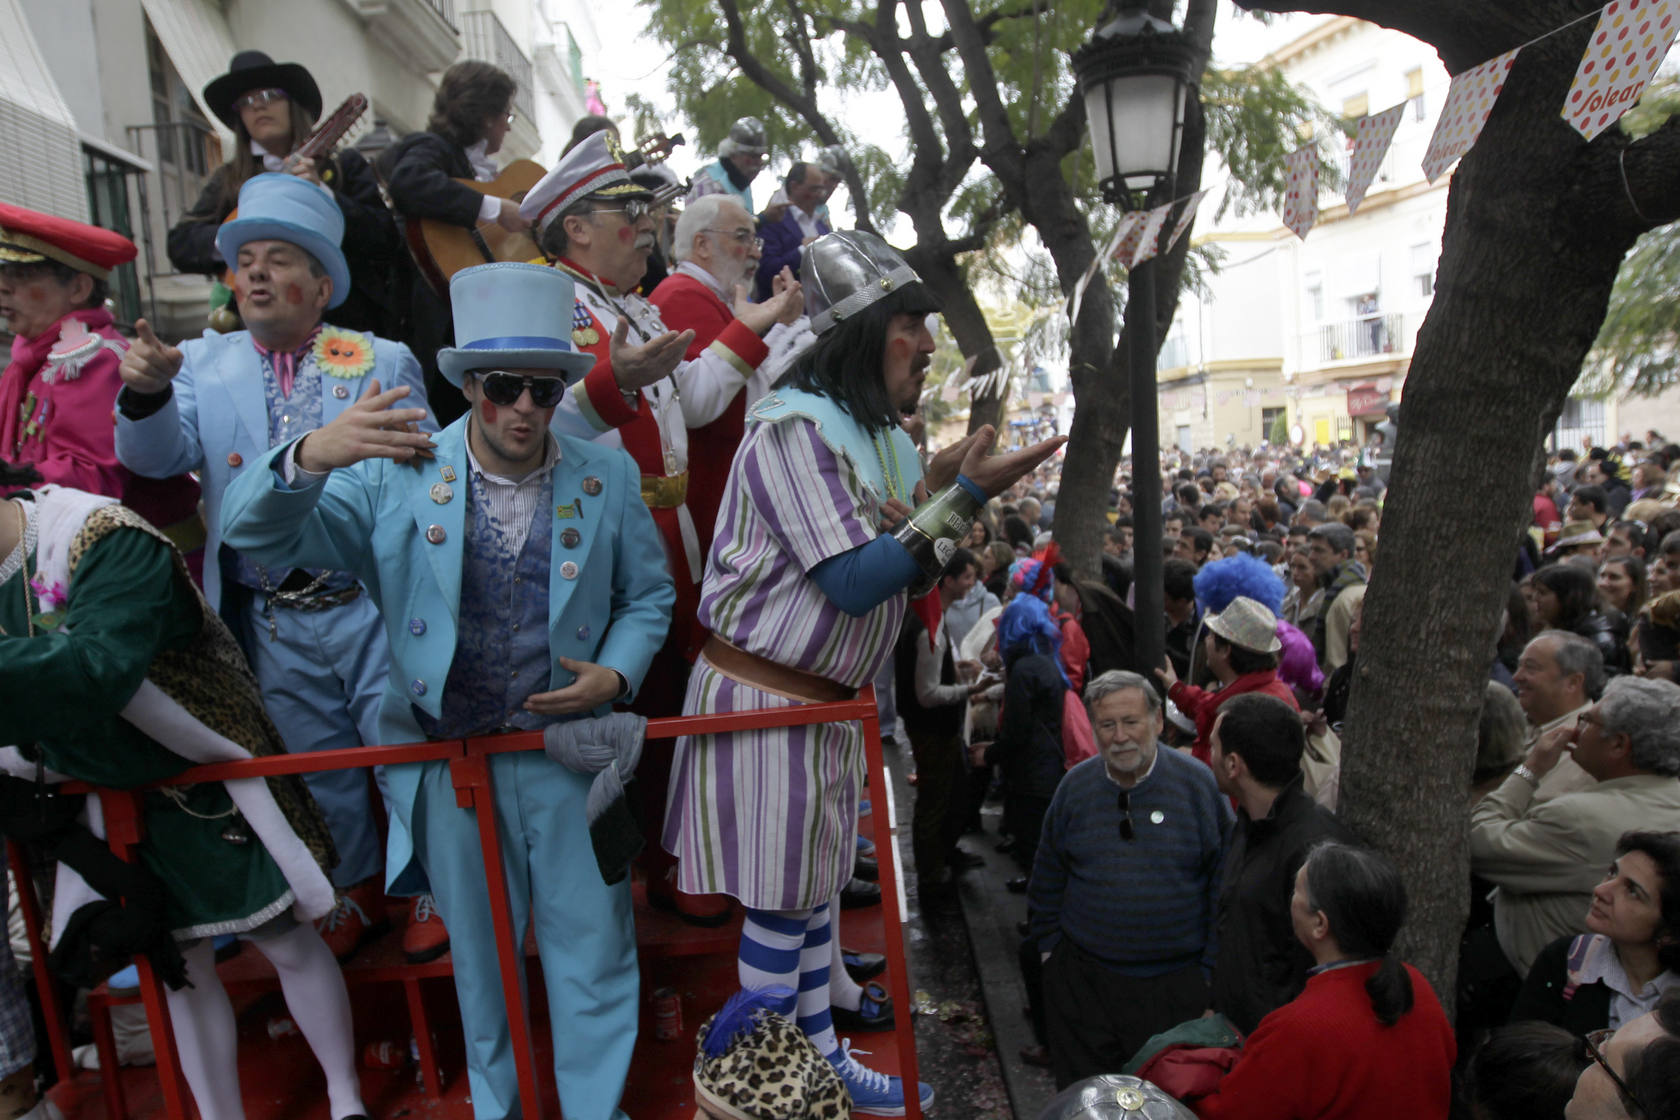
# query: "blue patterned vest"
{"points": [[289, 418], [501, 643]]}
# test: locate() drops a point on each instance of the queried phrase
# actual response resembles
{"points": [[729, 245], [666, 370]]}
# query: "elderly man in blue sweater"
{"points": [[1124, 888]]}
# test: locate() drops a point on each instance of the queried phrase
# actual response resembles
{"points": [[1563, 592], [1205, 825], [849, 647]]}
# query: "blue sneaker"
{"points": [[124, 980], [873, 1094], [864, 808]]}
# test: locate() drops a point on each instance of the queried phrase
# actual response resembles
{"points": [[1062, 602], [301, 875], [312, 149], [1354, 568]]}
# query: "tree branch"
{"points": [[1650, 188], [1000, 150], [959, 138], [778, 87], [799, 40]]}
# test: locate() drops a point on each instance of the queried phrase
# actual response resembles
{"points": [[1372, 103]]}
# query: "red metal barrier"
{"points": [[470, 772]]}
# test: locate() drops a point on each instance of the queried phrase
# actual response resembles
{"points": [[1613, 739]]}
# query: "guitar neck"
{"points": [[326, 137]]}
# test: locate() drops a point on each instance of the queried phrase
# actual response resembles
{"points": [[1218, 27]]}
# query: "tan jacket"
{"points": [[1545, 857]]}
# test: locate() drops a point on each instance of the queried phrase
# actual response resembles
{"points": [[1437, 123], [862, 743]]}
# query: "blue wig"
{"points": [[1025, 627], [1240, 575]]}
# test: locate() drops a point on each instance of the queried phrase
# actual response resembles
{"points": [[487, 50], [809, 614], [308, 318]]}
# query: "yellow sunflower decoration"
{"points": [[342, 353]]}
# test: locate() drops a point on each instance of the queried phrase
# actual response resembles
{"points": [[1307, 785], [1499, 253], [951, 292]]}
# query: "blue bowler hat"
{"points": [[512, 316], [275, 207]]}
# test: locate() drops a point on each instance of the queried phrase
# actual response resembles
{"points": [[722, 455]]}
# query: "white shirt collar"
{"points": [[551, 456], [270, 161], [689, 268], [484, 168]]}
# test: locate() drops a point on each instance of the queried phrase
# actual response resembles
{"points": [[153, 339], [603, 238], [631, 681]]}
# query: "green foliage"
{"points": [[1279, 435], [1636, 347], [1254, 119]]}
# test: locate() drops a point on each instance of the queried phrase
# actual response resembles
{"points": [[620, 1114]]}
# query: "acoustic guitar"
{"points": [[441, 249]]}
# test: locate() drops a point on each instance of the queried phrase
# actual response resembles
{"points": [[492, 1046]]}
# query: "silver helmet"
{"points": [[1114, 1096], [846, 271], [746, 137]]}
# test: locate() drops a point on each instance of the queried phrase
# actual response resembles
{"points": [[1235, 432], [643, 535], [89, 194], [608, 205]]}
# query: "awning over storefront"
{"points": [[40, 148], [199, 42], [1367, 400]]}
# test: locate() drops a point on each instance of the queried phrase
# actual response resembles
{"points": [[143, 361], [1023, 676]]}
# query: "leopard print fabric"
{"points": [[210, 679], [772, 1074]]}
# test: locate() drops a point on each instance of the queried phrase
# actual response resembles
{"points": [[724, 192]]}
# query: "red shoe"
{"points": [[357, 919], [708, 910], [425, 939]]}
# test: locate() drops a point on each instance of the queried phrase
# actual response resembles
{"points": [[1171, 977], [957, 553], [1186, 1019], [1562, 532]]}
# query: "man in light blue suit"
{"points": [[522, 582], [215, 405]]}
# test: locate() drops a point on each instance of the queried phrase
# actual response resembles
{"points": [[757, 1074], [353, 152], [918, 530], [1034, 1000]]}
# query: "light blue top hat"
{"points": [[512, 316], [276, 207]]}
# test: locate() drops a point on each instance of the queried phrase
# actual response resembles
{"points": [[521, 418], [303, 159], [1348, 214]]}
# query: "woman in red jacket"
{"points": [[1366, 1039]]}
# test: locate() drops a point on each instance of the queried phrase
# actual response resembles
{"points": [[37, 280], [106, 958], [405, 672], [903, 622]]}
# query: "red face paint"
{"points": [[489, 411], [626, 234], [294, 294], [900, 348], [239, 291]]}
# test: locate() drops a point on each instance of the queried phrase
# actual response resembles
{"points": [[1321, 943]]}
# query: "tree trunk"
{"points": [[967, 321], [1525, 274]]}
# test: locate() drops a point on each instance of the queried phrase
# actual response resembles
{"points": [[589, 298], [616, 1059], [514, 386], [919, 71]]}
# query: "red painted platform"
{"points": [[390, 998]]}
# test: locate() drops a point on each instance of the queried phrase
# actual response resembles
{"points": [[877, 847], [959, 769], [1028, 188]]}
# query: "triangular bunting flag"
{"points": [[1185, 217], [1090, 274], [1470, 99], [1626, 47], [1370, 145], [1130, 230], [1300, 204], [1151, 236]]}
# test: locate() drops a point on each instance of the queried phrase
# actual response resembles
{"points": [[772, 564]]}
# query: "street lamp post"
{"points": [[1136, 75]]}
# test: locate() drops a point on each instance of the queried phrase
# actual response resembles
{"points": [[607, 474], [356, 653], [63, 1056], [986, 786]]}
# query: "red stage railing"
{"points": [[470, 771]]}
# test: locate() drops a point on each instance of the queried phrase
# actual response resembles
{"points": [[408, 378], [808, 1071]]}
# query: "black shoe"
{"points": [[1023, 928], [961, 859], [858, 894], [865, 867], [1017, 885], [874, 1013], [863, 966]]}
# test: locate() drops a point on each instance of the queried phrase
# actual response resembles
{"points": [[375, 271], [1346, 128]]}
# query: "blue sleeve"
{"points": [[861, 579]]}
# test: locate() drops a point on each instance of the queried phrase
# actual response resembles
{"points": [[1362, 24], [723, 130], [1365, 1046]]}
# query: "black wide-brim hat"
{"points": [[251, 70]]}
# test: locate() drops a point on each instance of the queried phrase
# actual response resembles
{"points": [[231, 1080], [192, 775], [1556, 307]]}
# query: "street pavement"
{"points": [[971, 1018]]}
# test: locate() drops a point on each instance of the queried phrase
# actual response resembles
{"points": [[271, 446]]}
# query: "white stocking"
{"points": [[314, 988], [206, 1036], [843, 991]]}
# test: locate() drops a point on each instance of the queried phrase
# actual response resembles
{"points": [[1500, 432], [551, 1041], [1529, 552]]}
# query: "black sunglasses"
{"points": [[1127, 831], [1593, 1040], [504, 388]]}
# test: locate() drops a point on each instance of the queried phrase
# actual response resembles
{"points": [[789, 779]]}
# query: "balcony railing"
{"points": [[488, 41], [1365, 336]]}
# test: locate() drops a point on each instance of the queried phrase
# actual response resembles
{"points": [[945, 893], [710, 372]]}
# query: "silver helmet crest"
{"points": [[846, 271]]}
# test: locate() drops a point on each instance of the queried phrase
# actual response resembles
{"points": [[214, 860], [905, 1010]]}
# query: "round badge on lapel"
{"points": [[417, 626], [442, 493], [1157, 817], [569, 538], [569, 570], [418, 688], [592, 486], [435, 534], [341, 391], [235, 459], [583, 633]]}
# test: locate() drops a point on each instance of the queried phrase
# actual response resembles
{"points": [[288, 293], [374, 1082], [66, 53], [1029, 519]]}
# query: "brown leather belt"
{"points": [[768, 676]]}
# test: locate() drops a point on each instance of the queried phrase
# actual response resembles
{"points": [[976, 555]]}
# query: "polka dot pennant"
{"points": [[1187, 216], [1300, 201], [1627, 46], [1370, 144], [1130, 234], [1150, 235], [1470, 99]]}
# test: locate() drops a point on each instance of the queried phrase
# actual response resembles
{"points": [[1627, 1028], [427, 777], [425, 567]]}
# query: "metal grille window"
{"points": [[487, 40]]}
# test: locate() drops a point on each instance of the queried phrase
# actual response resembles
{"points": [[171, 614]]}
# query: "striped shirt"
{"points": [[792, 503]]}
